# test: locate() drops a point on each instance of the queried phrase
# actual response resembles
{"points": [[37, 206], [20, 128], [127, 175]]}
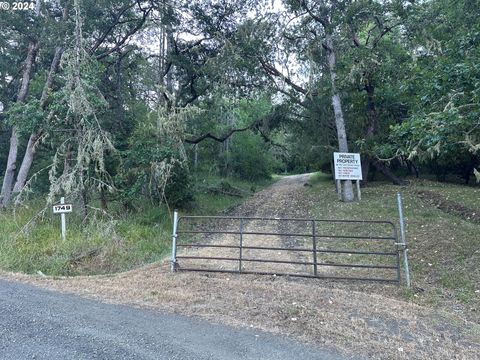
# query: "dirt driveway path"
{"points": [[358, 320], [284, 199]]}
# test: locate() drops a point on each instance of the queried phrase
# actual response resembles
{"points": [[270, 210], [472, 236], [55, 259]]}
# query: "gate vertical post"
{"points": [[404, 240], [173, 264], [314, 244], [241, 247], [395, 236]]}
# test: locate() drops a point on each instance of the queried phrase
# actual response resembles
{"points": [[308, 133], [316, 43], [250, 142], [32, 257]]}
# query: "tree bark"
{"points": [[103, 200], [6, 194], [10, 170], [372, 127], [195, 156], [347, 189], [387, 172]]}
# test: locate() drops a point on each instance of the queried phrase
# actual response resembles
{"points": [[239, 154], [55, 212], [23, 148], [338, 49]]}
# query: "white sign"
{"points": [[62, 208], [347, 166]]}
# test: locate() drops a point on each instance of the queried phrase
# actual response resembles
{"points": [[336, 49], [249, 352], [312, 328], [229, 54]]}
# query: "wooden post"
{"points": [[359, 193], [339, 189]]}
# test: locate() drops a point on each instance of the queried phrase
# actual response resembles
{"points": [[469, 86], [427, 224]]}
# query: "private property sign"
{"points": [[347, 166]]}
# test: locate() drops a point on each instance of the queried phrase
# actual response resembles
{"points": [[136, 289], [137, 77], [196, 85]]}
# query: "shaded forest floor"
{"points": [[437, 320]]}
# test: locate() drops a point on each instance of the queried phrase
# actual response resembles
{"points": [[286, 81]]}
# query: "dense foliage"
{"points": [[127, 99]]}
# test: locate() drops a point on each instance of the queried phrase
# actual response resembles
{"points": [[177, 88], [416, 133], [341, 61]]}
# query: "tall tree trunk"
{"points": [[170, 51], [35, 136], [5, 195], [195, 156], [372, 127], [347, 188], [103, 200]]}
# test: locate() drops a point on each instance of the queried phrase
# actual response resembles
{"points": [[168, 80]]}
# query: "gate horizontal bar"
{"points": [[292, 275], [287, 262], [245, 247], [357, 252], [359, 266], [380, 253], [287, 219], [245, 259], [289, 234], [244, 233]]}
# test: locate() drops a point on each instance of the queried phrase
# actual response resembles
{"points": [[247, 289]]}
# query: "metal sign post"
{"points": [[404, 240], [62, 209]]}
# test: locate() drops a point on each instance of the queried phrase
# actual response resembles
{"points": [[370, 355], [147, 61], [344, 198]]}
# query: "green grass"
{"points": [[100, 246], [466, 195], [106, 244], [444, 249], [207, 203]]}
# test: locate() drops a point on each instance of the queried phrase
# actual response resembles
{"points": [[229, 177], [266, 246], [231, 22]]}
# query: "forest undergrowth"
{"points": [[107, 241]]}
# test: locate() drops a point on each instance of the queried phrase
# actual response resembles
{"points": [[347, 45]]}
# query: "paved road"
{"points": [[40, 324]]}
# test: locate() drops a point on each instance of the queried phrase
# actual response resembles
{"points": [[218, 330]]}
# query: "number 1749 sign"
{"points": [[347, 166], [62, 208]]}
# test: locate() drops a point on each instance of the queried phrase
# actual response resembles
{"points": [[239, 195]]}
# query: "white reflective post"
{"points": [[63, 220], [174, 242]]}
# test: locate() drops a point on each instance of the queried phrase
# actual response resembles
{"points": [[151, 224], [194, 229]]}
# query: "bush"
{"points": [[250, 158], [154, 167]]}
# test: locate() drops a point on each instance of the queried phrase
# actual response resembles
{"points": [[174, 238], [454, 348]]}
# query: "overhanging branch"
{"points": [[273, 71], [221, 138]]}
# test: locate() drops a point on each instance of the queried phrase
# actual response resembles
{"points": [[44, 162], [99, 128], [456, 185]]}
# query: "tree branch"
{"points": [[322, 21], [385, 30], [273, 71], [218, 138], [355, 39], [110, 28], [267, 139], [127, 35]]}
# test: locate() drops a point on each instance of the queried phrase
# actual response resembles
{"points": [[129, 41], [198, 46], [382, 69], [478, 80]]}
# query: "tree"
{"points": [[8, 178], [443, 130], [125, 21]]}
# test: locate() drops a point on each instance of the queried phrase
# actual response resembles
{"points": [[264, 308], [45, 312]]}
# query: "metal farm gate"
{"points": [[313, 248]]}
